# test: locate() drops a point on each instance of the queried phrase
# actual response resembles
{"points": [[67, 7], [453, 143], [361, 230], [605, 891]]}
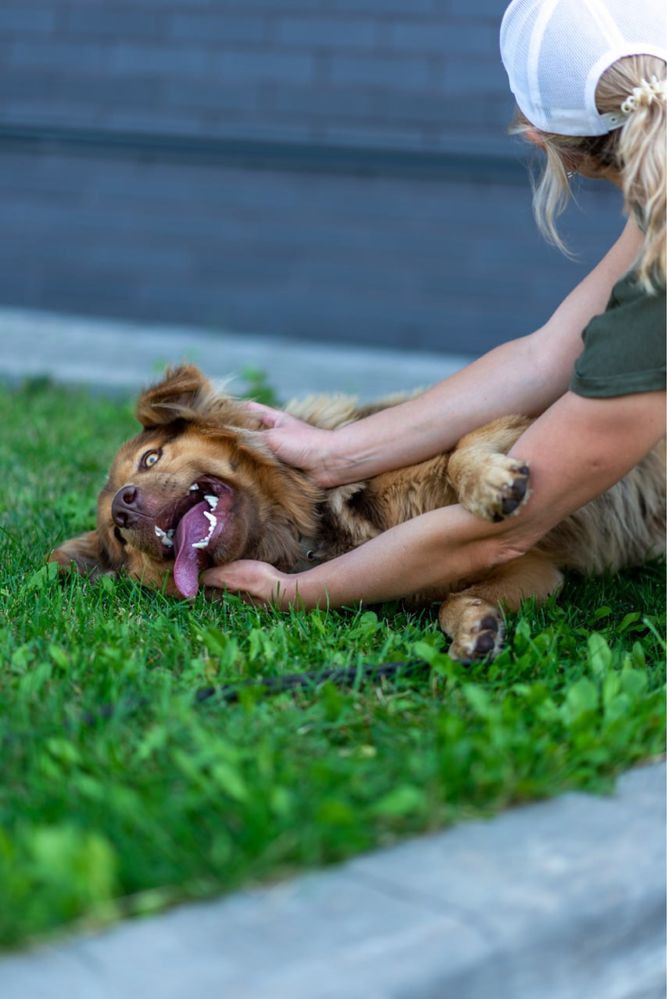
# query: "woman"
{"points": [[598, 108]]}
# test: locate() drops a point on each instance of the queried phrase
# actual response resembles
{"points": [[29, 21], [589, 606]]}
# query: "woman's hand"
{"points": [[260, 583], [296, 443]]}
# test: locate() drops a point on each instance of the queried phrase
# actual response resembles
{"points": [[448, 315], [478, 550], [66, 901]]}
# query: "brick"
{"points": [[382, 7], [206, 96], [96, 90], [171, 60], [474, 77], [106, 90], [389, 73], [440, 36], [115, 23], [338, 33], [264, 66], [26, 20], [216, 28], [319, 103], [488, 9], [386, 136], [18, 85], [64, 113], [64, 55]]}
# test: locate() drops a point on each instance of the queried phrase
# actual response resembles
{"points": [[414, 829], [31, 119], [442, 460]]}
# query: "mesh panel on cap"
{"points": [[555, 51]]}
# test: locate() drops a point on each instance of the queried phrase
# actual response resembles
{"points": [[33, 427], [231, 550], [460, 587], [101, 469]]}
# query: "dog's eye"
{"points": [[118, 536], [150, 458]]}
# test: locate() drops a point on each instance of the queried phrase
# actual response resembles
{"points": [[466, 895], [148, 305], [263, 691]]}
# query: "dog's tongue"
{"points": [[193, 527]]}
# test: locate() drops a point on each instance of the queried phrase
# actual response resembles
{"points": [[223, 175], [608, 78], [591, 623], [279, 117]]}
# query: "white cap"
{"points": [[555, 52]]}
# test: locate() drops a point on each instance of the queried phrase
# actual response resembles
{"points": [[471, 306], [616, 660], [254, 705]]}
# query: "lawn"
{"points": [[121, 793]]}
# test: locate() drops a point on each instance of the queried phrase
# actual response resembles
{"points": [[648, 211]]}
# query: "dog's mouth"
{"points": [[189, 530]]}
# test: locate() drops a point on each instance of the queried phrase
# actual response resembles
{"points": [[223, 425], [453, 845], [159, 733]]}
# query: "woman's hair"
{"points": [[636, 152]]}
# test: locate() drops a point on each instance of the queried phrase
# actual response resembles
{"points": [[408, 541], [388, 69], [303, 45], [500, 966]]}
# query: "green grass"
{"points": [[103, 815]]}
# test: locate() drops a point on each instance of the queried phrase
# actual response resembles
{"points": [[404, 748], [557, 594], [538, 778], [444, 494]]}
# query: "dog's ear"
{"points": [[181, 395], [86, 554]]}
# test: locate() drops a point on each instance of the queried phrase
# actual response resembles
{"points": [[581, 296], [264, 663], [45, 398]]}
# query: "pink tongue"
{"points": [[193, 527]]}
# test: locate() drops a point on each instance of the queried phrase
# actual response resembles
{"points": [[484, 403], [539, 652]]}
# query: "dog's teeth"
{"points": [[212, 501], [203, 542], [193, 488], [171, 532]]}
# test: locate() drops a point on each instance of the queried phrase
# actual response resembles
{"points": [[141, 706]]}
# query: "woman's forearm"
{"points": [[430, 551]]}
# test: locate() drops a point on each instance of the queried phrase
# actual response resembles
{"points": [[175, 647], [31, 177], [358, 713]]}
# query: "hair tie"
{"points": [[644, 95]]}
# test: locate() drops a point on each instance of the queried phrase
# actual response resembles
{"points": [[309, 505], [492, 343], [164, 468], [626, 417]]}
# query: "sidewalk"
{"points": [[559, 900], [121, 355]]}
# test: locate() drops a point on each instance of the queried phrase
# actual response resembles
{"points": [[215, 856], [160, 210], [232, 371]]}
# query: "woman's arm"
{"points": [[575, 450], [523, 376]]}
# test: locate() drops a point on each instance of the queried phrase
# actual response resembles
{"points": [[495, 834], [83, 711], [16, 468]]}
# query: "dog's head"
{"points": [[197, 487]]}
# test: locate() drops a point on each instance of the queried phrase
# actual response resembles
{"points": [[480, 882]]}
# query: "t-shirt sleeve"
{"points": [[624, 348]]}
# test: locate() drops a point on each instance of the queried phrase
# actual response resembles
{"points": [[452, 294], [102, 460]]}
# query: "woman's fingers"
{"points": [[240, 575], [269, 417], [259, 582], [294, 441]]}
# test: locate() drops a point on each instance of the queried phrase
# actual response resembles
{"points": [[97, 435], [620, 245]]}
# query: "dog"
{"points": [[199, 487]]}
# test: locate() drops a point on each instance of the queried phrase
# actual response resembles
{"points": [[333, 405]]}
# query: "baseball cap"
{"points": [[555, 51]]}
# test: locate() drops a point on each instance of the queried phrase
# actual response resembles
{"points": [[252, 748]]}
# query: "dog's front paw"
{"points": [[499, 490]]}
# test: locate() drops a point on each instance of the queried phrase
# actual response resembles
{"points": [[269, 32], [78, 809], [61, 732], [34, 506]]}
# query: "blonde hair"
{"points": [[636, 153]]}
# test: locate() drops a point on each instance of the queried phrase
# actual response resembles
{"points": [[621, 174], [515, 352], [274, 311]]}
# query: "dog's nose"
{"points": [[125, 506]]}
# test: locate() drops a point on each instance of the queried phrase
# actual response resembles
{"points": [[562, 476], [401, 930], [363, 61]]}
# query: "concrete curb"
{"points": [[558, 900], [121, 355]]}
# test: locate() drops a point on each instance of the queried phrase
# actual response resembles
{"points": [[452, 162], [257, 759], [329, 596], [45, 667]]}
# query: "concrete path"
{"points": [[122, 355], [559, 900]]}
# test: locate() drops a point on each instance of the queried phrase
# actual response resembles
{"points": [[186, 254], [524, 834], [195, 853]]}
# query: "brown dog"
{"points": [[198, 487]]}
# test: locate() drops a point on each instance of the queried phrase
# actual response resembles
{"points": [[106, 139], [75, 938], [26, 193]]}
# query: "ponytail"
{"points": [[641, 153]]}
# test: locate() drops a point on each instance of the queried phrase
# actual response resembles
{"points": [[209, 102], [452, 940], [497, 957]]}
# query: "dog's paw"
{"points": [[499, 490], [477, 630]]}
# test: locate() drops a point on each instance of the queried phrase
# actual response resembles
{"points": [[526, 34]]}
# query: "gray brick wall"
{"points": [[392, 72], [356, 253]]}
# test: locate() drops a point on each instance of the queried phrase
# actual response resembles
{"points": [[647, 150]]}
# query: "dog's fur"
{"points": [[277, 514]]}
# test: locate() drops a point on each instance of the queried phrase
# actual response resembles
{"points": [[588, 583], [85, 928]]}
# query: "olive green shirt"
{"points": [[624, 347]]}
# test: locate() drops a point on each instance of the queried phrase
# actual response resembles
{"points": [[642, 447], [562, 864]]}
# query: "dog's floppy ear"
{"points": [[181, 395], [85, 553]]}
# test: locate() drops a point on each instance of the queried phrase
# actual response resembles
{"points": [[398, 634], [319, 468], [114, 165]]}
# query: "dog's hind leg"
{"points": [[472, 617], [486, 481]]}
